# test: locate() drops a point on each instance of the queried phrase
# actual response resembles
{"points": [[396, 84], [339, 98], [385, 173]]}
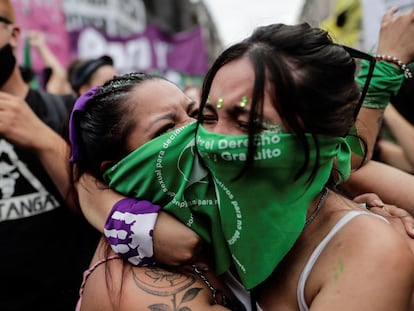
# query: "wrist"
{"points": [[385, 83], [129, 229], [396, 62]]}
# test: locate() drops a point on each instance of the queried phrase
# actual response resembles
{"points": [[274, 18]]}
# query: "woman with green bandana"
{"points": [[103, 130], [263, 131]]}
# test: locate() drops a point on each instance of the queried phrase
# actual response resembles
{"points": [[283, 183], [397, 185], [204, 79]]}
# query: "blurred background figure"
{"points": [[44, 240], [54, 74], [85, 74], [193, 91]]}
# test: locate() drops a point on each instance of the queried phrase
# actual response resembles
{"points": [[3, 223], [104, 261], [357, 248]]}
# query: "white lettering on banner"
{"points": [[112, 16], [161, 50], [131, 54], [26, 206], [14, 173], [138, 53]]}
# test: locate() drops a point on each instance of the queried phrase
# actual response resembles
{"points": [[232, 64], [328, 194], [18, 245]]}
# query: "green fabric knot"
{"points": [[386, 82]]}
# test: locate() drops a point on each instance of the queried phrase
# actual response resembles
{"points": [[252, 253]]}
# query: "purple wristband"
{"points": [[129, 228]]}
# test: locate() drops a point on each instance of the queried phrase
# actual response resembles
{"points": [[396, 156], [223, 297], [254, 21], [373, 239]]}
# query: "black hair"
{"points": [[106, 123], [312, 80], [82, 71]]}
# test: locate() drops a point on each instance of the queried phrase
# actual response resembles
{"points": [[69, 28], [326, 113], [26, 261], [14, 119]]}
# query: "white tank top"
{"points": [[319, 249], [244, 296]]}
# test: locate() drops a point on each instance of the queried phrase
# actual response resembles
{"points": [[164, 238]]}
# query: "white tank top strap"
{"points": [[319, 249]]}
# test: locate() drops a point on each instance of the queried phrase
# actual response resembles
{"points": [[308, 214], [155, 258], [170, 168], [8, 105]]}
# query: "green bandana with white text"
{"points": [[253, 221]]}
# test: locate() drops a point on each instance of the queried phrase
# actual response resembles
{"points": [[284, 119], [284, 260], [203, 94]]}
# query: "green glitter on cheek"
{"points": [[338, 270]]}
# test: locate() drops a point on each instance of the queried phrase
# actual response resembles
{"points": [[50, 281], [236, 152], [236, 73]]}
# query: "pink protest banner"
{"points": [[87, 29], [46, 16]]}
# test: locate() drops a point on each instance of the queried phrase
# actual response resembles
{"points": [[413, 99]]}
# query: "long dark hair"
{"points": [[311, 77], [106, 124]]}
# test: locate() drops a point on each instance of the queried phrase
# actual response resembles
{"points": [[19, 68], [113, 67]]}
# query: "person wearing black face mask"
{"points": [[7, 63], [39, 233]]}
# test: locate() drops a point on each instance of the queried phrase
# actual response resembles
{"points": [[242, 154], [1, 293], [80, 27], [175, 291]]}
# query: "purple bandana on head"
{"points": [[78, 109]]}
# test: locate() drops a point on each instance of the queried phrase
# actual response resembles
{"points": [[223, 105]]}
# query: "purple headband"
{"points": [[77, 111]]}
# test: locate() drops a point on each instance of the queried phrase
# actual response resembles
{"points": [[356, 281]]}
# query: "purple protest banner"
{"points": [[46, 16], [150, 50]]}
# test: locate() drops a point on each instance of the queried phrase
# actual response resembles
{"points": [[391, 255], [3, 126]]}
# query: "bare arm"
{"points": [[391, 184], [368, 123], [174, 243], [402, 130], [370, 254], [58, 83], [395, 39], [20, 125], [392, 154]]}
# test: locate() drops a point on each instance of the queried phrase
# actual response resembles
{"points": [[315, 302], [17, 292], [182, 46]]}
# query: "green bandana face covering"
{"points": [[264, 211], [166, 172], [251, 222]]}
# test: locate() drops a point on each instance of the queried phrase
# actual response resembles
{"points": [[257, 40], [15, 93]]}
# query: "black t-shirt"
{"points": [[403, 102], [44, 246]]}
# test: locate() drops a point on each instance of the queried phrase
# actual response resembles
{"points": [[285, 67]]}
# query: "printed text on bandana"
{"points": [[159, 172], [235, 149]]}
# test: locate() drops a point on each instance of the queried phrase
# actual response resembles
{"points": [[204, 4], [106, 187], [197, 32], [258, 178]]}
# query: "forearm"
{"points": [[402, 130], [174, 243], [369, 123], [394, 155], [96, 200], [391, 184], [395, 42], [52, 151], [50, 60]]}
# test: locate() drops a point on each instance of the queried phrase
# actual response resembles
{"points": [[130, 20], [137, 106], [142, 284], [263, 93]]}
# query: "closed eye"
{"points": [[193, 110], [166, 128], [209, 114]]}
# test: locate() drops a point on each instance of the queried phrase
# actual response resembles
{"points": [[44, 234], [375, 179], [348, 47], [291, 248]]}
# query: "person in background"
{"points": [[84, 74], [56, 81], [193, 91], [45, 242], [398, 153], [150, 102]]}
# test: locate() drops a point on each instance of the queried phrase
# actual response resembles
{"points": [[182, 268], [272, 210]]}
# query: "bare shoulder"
{"points": [[364, 260], [371, 235]]}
